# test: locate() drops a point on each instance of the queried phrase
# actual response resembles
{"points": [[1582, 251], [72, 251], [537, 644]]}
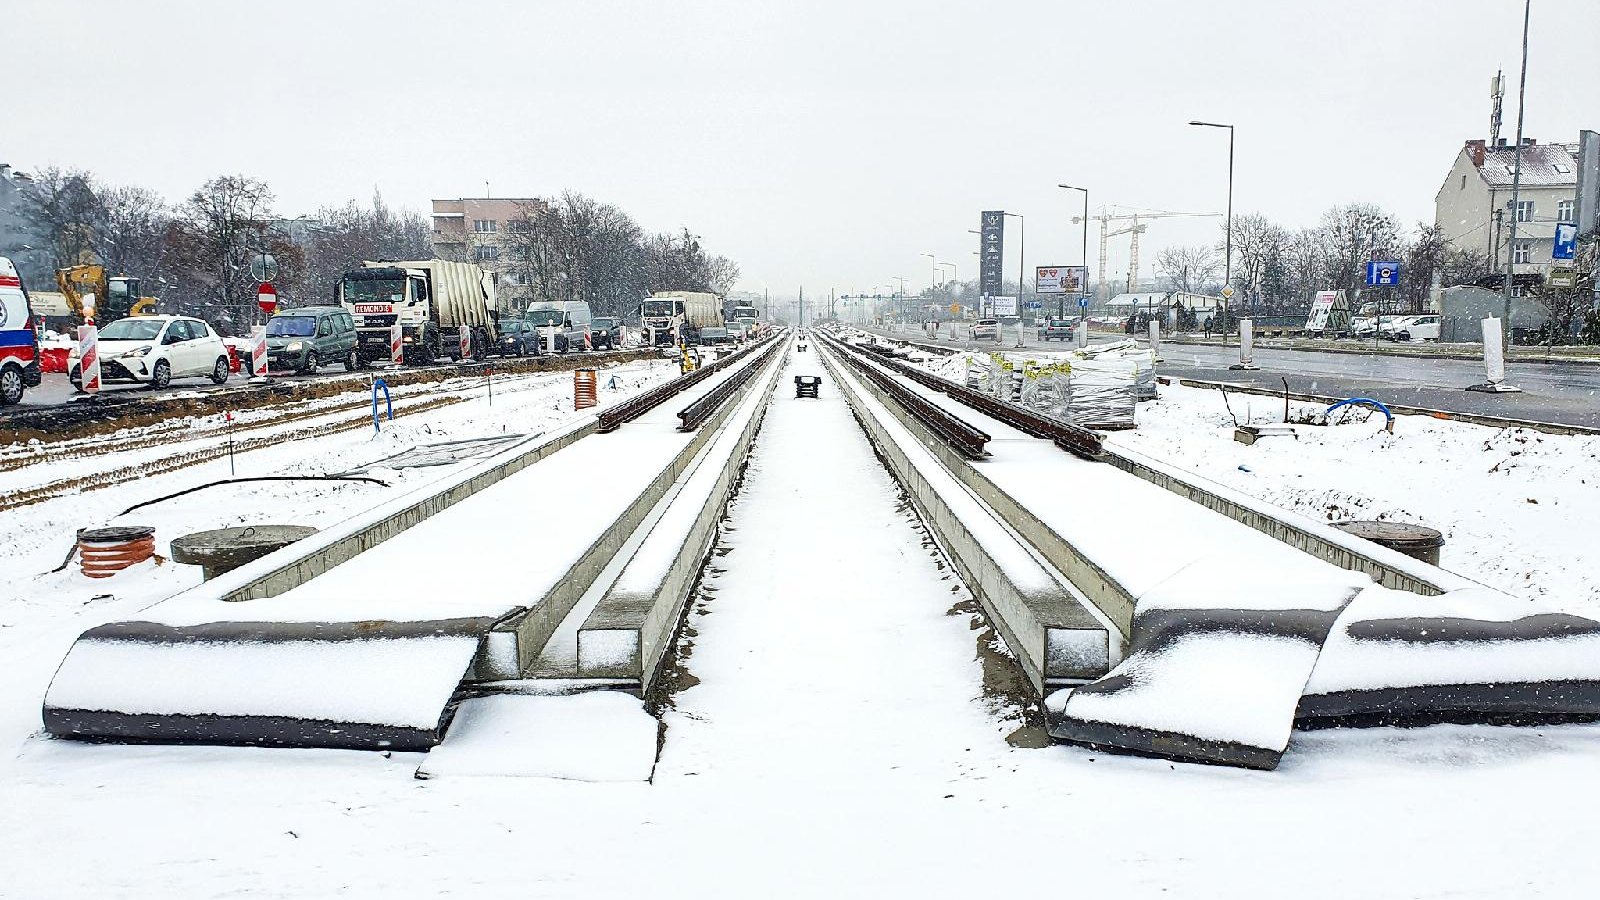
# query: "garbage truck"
{"points": [[432, 299], [673, 317]]}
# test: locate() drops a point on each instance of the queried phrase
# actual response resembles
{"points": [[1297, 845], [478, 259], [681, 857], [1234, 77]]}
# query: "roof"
{"points": [[1543, 165]]}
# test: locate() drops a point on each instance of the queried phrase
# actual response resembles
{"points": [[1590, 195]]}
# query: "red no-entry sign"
{"points": [[267, 297]]}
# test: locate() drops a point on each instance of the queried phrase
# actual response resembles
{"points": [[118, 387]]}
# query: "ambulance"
{"points": [[19, 344]]}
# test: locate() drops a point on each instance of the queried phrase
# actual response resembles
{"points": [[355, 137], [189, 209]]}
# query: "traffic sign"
{"points": [[264, 267], [267, 297], [1227, 292], [1565, 279], [1566, 245], [1383, 274], [1083, 303], [955, 309]]}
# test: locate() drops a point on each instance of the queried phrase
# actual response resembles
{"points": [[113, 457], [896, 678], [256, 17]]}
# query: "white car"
{"points": [[153, 350], [985, 330], [1417, 328]]}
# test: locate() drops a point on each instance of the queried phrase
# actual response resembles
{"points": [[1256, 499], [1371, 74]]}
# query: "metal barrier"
{"points": [[628, 410], [691, 416], [965, 439]]}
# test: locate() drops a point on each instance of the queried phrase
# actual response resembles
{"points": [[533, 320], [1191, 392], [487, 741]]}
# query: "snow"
{"points": [[593, 736], [845, 739], [391, 682], [1516, 507], [1241, 688]]}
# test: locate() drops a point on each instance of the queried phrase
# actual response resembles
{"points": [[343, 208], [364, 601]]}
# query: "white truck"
{"points": [[673, 317], [746, 322], [432, 299]]}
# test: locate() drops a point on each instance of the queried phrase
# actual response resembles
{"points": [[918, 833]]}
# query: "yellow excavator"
{"points": [[114, 298]]}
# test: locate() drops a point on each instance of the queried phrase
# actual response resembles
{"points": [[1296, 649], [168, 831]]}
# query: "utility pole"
{"points": [[802, 306], [1516, 180]]}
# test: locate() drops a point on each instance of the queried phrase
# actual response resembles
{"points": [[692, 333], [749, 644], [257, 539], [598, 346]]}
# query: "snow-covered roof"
{"points": [[1148, 298], [1543, 165]]}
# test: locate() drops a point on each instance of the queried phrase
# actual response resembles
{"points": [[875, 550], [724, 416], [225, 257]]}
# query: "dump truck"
{"points": [[431, 299], [745, 322], [676, 317]]}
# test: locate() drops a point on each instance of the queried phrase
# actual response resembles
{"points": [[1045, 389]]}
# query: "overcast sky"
{"points": [[817, 143]]}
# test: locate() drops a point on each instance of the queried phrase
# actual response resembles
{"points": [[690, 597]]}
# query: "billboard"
{"points": [[1061, 280], [991, 251], [1002, 306]]}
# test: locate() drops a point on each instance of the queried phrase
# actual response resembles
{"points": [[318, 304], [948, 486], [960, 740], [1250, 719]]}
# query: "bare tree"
{"points": [[63, 207], [220, 226], [1189, 269], [1351, 237]]}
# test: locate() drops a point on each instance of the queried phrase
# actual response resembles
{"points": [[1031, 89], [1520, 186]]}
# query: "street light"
{"points": [[1516, 178], [936, 270], [1227, 253], [953, 271], [1062, 305]]}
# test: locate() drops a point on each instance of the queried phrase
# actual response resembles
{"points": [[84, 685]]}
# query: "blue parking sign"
{"points": [[1566, 246], [1383, 273], [1083, 303]]}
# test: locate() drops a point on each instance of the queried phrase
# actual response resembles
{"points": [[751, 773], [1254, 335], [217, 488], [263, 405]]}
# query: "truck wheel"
{"points": [[11, 387]]}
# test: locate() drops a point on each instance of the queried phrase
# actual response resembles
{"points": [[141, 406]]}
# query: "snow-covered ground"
{"points": [[1517, 507], [840, 729]]}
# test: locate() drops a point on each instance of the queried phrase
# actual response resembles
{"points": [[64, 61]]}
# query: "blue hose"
{"points": [[388, 404], [1366, 401]]}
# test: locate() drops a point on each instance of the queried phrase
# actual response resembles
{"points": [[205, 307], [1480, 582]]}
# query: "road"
{"points": [[1564, 393]]}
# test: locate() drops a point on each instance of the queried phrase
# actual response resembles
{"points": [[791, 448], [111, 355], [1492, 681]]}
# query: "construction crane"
{"points": [[1135, 228]]}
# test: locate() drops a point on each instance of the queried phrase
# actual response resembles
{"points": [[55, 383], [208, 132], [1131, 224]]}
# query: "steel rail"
{"points": [[695, 414], [1074, 439], [628, 410], [965, 439]]}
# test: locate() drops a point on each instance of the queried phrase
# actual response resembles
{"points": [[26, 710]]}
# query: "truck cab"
{"points": [[661, 319], [379, 297], [19, 343]]}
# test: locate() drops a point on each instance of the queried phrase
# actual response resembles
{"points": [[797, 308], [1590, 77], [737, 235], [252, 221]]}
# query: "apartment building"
{"points": [[1474, 207], [477, 229]]}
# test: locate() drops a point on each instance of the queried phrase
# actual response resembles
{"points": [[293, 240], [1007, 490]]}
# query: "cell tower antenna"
{"points": [[1497, 92]]}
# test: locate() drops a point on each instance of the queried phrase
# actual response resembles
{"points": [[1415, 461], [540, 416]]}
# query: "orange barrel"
{"points": [[103, 552], [585, 384]]}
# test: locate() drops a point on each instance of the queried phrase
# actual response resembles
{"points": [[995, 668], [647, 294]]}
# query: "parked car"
{"points": [[607, 332], [153, 350], [984, 330], [304, 338], [518, 338], [1416, 328], [571, 319], [1058, 330]]}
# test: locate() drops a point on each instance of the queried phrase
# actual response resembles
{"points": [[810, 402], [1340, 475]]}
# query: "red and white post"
{"points": [[89, 358], [466, 343], [258, 352], [397, 346]]}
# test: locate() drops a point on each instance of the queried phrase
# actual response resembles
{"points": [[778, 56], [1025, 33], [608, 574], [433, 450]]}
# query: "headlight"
{"points": [[295, 347], [137, 351]]}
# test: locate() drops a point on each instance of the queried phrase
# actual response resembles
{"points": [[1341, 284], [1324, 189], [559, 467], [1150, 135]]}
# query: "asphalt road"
{"points": [[1566, 393]]}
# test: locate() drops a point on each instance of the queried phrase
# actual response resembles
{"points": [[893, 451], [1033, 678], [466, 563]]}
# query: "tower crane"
{"points": [[1135, 227]]}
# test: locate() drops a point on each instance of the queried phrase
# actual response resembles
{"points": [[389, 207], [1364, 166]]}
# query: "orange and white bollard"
{"points": [[397, 345], [585, 384], [258, 351]]}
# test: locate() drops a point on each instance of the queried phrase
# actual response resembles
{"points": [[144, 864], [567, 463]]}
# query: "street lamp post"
{"points": [[1061, 310], [936, 270], [1227, 252]]}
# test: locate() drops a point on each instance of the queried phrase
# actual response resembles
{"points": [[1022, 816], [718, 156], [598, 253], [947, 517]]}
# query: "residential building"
{"points": [[481, 229], [1474, 208], [19, 239]]}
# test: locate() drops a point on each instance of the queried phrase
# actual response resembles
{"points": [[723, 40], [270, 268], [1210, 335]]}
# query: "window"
{"points": [[486, 252], [177, 331], [485, 226], [1563, 169], [325, 328], [1463, 182], [1524, 210], [1565, 211], [198, 330], [1522, 252], [519, 226]]}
